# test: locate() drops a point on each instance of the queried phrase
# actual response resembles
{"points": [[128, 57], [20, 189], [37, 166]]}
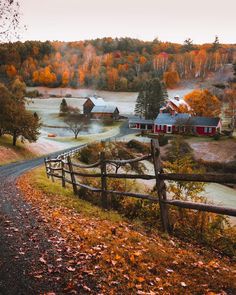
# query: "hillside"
{"points": [[9, 154], [111, 64], [101, 252]]}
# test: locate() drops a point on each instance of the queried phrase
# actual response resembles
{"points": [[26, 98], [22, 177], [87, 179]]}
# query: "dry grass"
{"points": [[9, 153]]}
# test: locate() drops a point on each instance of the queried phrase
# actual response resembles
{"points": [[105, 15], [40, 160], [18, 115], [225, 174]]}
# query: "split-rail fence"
{"points": [[63, 168]]}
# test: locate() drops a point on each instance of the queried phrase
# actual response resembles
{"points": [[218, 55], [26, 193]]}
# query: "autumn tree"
{"points": [[150, 99], [14, 119], [171, 79], [75, 123], [203, 103], [230, 95]]}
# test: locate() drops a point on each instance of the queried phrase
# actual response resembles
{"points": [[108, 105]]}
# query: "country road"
{"points": [[25, 237]]}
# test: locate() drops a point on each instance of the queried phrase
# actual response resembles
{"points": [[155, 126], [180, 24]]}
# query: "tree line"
{"points": [[120, 64]]}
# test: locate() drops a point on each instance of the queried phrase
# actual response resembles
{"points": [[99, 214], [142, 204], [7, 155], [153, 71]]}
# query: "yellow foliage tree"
{"points": [[203, 103]]}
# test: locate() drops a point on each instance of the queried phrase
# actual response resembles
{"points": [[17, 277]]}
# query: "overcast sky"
{"points": [[169, 20]]}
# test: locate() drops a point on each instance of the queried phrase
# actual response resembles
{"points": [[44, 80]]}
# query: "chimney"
{"points": [[172, 112], [176, 97]]}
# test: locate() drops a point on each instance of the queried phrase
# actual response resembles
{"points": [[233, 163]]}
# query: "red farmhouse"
{"points": [[178, 123]]}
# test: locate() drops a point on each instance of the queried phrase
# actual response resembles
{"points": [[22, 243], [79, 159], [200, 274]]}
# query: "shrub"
{"points": [[216, 136], [138, 146], [163, 140], [33, 94]]}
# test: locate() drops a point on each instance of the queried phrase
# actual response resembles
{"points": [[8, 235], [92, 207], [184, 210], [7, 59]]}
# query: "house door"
{"points": [[169, 129]]}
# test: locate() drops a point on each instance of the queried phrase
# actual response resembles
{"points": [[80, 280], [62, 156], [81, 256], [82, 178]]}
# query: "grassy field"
{"points": [[10, 153]]}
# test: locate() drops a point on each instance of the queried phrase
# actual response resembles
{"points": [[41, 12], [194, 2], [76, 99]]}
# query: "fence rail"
{"points": [[62, 167]]}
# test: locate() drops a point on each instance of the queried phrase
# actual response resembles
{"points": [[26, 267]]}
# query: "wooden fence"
{"points": [[64, 169]]}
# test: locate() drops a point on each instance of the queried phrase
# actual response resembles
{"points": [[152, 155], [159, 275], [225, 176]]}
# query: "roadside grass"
{"points": [[66, 198], [121, 257], [12, 153]]}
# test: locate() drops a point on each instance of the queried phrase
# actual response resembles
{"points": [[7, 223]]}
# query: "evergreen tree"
{"points": [[215, 44], [150, 99], [63, 107], [188, 45]]}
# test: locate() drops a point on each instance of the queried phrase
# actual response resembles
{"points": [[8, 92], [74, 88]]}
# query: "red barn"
{"points": [[96, 108]]}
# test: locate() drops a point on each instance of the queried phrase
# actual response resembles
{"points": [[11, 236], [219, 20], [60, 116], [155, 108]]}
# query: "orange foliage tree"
{"points": [[203, 103], [171, 79], [11, 71]]}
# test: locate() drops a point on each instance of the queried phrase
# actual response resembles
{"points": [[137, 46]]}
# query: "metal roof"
{"points": [[104, 109], [97, 101], [204, 121], [168, 119]]}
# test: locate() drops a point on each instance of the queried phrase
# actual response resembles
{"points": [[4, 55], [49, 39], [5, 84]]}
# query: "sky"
{"points": [[167, 20]]}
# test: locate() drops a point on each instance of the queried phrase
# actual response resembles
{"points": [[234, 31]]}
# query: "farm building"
{"points": [[96, 108], [178, 123], [174, 105], [105, 112], [142, 124]]}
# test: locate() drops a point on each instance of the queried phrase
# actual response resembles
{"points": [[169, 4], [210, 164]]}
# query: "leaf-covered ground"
{"points": [[98, 252]]}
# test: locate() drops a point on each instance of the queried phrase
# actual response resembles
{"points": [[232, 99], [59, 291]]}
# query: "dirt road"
{"points": [[24, 240]]}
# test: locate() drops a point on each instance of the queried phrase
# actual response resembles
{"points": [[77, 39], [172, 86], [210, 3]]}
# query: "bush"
{"points": [[33, 94], [163, 140], [68, 95], [216, 136], [90, 153], [138, 146]]}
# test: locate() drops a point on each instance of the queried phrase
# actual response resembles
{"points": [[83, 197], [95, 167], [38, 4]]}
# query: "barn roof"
{"points": [[97, 101], [104, 109]]}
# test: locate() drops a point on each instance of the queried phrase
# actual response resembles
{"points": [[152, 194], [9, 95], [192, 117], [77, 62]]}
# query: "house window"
{"points": [[143, 126], [169, 129], [207, 129], [149, 127], [132, 125]]}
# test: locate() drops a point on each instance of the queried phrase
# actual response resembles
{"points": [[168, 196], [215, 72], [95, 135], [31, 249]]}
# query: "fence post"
{"points": [[46, 167], [63, 183], [160, 184], [103, 180], [51, 169], [73, 180]]}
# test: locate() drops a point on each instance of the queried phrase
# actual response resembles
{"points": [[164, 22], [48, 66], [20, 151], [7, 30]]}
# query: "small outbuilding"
{"points": [[96, 108]]}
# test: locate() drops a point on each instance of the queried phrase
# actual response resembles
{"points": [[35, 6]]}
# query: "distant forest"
{"points": [[110, 64]]}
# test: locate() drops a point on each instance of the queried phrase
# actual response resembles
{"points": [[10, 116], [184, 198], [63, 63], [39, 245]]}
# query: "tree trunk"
{"points": [[14, 139]]}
